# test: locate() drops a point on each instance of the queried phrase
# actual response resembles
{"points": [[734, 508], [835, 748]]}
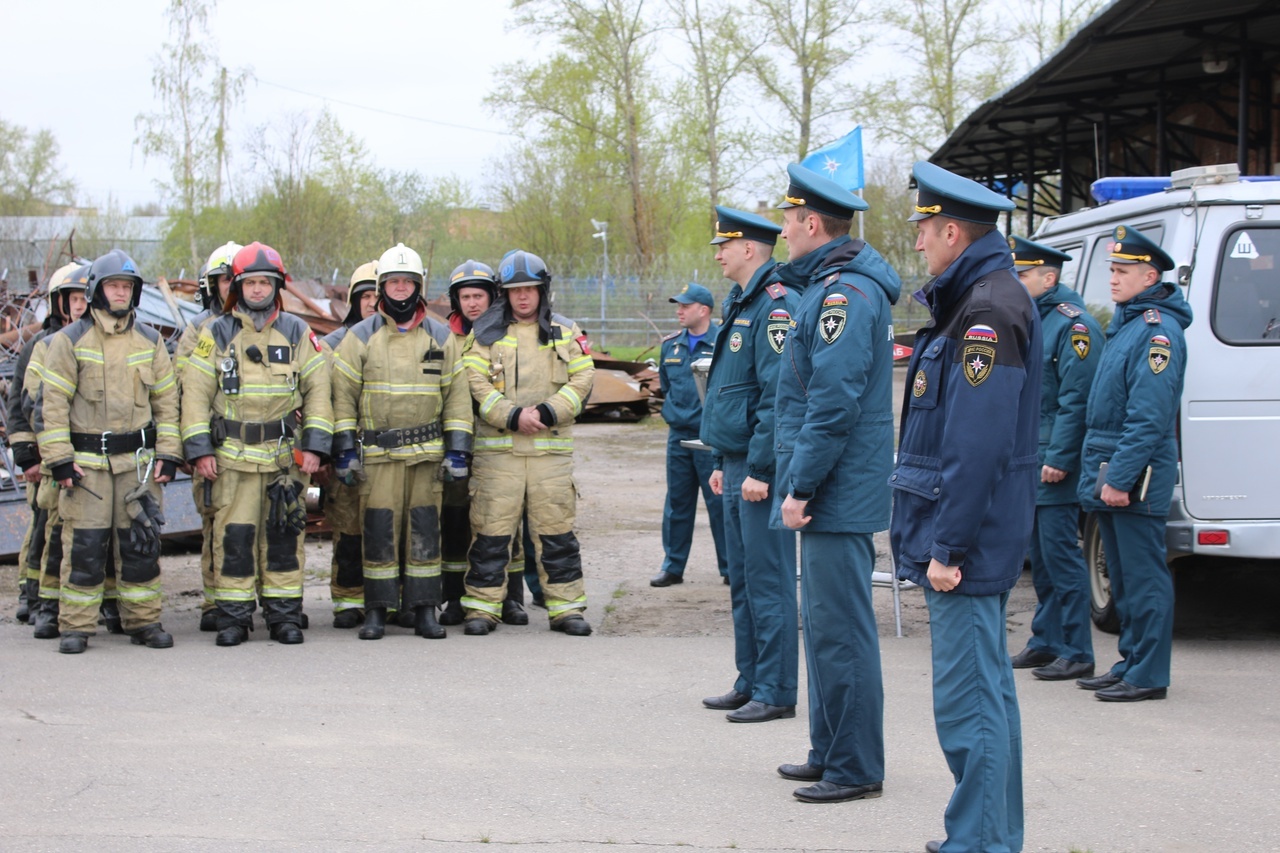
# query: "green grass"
{"points": [[634, 353]]}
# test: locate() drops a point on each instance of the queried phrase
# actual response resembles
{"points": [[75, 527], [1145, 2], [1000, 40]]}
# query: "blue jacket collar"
{"points": [[1164, 297], [756, 283], [986, 255]]}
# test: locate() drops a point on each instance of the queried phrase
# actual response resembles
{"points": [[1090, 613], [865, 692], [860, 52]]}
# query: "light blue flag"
{"points": [[841, 161]]}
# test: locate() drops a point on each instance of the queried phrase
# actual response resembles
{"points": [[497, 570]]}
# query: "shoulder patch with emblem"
{"points": [[986, 334], [1080, 341], [586, 344], [1157, 358], [204, 346], [315, 342], [1152, 316], [776, 290], [1069, 310], [735, 342], [920, 384], [779, 321], [977, 360], [832, 320]]}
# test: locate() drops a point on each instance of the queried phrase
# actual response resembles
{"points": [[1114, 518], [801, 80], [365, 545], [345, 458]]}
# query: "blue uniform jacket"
{"points": [[835, 394], [681, 405], [1072, 348], [965, 482], [737, 416], [1133, 407]]}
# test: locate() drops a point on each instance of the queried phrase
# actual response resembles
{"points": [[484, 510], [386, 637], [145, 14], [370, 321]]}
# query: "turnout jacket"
{"points": [[20, 403], [1072, 350], [738, 414], [517, 371], [287, 375], [835, 394], [388, 379], [190, 337], [965, 481], [105, 374], [681, 405], [1132, 415]]}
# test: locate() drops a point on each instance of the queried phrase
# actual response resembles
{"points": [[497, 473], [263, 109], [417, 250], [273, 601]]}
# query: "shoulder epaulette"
{"points": [[147, 332], [224, 329], [293, 327], [1152, 316], [1069, 310], [776, 290], [562, 320], [670, 336], [831, 279], [77, 330], [335, 337], [437, 330], [366, 327]]}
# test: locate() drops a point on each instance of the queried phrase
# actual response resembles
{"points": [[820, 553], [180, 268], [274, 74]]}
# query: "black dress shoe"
{"points": [[1098, 682], [573, 625], [452, 613], [73, 642], [1064, 670], [800, 772], [152, 636], [513, 613], [209, 621], [665, 579], [477, 627], [827, 791], [731, 701], [232, 636], [375, 624], [933, 847], [1123, 691], [347, 619], [426, 626], [1029, 657], [287, 634], [761, 712]]}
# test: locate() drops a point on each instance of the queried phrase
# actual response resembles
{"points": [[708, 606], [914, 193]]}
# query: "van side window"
{"points": [[1096, 286], [1246, 296]]}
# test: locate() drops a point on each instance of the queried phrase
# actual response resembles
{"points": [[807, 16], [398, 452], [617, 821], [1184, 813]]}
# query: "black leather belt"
{"points": [[389, 438], [109, 443], [252, 432]]}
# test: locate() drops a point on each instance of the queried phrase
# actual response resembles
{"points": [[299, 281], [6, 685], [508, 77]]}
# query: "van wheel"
{"points": [[1102, 608]]}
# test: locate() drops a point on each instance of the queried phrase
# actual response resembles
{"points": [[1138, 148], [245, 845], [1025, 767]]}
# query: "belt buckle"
{"points": [[106, 435]]}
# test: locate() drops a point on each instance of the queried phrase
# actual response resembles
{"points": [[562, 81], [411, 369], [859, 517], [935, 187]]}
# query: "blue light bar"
{"points": [[1104, 190]]}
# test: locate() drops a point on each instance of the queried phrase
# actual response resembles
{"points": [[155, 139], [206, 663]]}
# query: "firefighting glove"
{"points": [[288, 513], [454, 466], [146, 521], [349, 468]]}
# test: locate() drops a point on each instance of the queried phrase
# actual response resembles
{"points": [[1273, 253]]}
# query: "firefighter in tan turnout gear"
{"points": [[106, 420], [530, 372], [41, 556], [251, 370], [215, 284], [403, 419], [342, 502]]}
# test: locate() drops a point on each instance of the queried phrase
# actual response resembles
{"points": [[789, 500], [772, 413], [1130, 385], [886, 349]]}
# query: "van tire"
{"points": [[1101, 606]]}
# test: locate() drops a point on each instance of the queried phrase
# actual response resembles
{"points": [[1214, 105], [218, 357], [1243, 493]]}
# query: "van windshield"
{"points": [[1246, 300]]}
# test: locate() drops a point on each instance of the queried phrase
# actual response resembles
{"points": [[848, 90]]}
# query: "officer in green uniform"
{"points": [[688, 471], [1061, 644], [1131, 425], [738, 422]]}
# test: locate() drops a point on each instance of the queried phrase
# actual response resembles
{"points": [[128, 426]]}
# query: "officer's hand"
{"points": [[793, 513], [1049, 474], [943, 578], [70, 482], [308, 462], [716, 482], [207, 467], [1114, 497], [32, 474], [530, 423], [323, 475], [454, 466], [754, 490]]}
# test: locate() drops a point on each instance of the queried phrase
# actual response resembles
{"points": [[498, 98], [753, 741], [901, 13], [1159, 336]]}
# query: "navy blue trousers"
{"points": [[1142, 587], [975, 711], [687, 473], [1061, 625], [762, 591], [842, 657]]}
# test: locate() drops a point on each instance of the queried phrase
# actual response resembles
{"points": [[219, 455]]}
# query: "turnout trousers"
{"points": [[95, 538], [842, 657], [346, 566], [203, 500], [31, 555], [975, 711], [762, 592], [251, 558], [400, 520], [688, 473], [455, 537], [503, 486], [1142, 587], [1061, 625]]}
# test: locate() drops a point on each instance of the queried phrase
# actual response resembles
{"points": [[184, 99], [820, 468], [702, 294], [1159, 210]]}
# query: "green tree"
{"points": [[1043, 25], [31, 181]]}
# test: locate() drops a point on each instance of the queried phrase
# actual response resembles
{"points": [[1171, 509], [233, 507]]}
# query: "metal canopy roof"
{"points": [[1144, 87]]}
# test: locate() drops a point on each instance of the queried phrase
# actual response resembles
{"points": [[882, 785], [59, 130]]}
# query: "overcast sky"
{"points": [[82, 69]]}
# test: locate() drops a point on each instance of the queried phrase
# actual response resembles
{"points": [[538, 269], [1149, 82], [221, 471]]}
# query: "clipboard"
{"points": [[1137, 493]]}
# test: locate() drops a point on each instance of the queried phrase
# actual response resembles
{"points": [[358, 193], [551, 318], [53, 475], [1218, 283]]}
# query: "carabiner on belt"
{"points": [[143, 471]]}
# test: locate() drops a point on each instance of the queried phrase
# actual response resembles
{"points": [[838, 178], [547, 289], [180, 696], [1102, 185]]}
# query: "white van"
{"points": [[1223, 232]]}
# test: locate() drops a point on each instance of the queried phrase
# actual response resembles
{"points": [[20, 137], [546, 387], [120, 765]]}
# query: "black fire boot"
{"points": [[73, 642], [426, 626], [152, 636], [349, 618], [286, 633], [452, 613], [110, 611], [209, 621], [513, 613], [375, 623], [232, 635], [46, 619]]}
